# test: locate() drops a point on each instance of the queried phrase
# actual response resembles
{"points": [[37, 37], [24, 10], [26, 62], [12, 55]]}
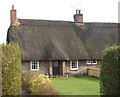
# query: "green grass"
{"points": [[77, 86]]}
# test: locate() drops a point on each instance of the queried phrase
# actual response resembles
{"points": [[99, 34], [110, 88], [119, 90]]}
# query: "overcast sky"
{"points": [[93, 11]]}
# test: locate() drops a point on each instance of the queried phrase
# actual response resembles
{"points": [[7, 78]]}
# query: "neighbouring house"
{"points": [[58, 48]]}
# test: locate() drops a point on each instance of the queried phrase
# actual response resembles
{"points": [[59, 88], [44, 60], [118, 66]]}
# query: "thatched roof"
{"points": [[62, 40]]}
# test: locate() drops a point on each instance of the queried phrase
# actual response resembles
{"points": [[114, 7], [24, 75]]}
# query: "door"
{"points": [[56, 68]]}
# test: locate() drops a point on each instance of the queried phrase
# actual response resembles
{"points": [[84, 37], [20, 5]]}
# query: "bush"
{"points": [[110, 71], [26, 78], [41, 85], [11, 70]]}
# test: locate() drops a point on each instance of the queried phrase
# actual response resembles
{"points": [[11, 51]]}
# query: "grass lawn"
{"points": [[77, 86]]}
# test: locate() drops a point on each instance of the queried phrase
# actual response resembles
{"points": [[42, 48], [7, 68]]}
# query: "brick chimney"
{"points": [[13, 15], [78, 17]]}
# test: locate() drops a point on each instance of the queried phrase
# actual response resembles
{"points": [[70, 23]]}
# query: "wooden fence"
{"points": [[93, 72]]}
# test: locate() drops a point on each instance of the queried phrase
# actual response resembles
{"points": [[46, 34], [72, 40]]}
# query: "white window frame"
{"points": [[95, 62], [72, 67], [31, 63], [88, 62]]}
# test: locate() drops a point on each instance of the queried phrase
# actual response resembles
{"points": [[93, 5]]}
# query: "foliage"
{"points": [[110, 69], [11, 69], [26, 77], [41, 85]]}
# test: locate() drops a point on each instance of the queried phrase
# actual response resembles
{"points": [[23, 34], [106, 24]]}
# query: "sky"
{"points": [[92, 10]]}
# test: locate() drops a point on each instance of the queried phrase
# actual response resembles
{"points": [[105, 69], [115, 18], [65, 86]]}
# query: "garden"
{"points": [[39, 84]]}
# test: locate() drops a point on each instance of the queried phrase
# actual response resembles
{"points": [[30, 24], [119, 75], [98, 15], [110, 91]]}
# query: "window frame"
{"points": [[31, 63], [72, 64]]}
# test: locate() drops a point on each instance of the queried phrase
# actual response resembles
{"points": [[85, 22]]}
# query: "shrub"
{"points": [[26, 78], [110, 71], [11, 69], [41, 85]]}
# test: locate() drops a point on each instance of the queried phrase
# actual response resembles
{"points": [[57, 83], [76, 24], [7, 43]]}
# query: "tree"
{"points": [[110, 71]]}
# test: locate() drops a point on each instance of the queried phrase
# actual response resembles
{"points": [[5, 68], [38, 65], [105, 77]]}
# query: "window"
{"points": [[94, 61], [88, 61], [34, 66], [91, 61], [74, 65]]}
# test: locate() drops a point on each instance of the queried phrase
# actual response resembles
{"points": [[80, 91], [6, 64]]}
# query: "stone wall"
{"points": [[82, 68], [46, 68], [43, 67]]}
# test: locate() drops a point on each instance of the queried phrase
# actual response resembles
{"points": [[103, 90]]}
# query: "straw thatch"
{"points": [[62, 40]]}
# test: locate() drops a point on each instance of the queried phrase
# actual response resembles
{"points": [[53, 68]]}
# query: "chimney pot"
{"points": [[12, 7]]}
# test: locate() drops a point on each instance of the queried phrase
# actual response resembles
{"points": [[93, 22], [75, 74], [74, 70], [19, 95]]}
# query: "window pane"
{"points": [[33, 66], [74, 62], [94, 61], [74, 65]]}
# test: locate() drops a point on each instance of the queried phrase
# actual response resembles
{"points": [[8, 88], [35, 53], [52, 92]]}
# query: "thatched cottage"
{"points": [[61, 47]]}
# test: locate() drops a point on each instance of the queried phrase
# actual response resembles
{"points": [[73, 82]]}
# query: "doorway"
{"points": [[56, 68]]}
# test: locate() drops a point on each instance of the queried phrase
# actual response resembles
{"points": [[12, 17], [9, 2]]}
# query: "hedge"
{"points": [[11, 70], [110, 71]]}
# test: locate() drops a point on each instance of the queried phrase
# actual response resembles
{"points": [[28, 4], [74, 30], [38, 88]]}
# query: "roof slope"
{"points": [[97, 36], [62, 40]]}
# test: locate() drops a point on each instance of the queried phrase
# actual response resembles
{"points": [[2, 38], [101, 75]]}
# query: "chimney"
{"points": [[13, 14], [78, 17]]}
